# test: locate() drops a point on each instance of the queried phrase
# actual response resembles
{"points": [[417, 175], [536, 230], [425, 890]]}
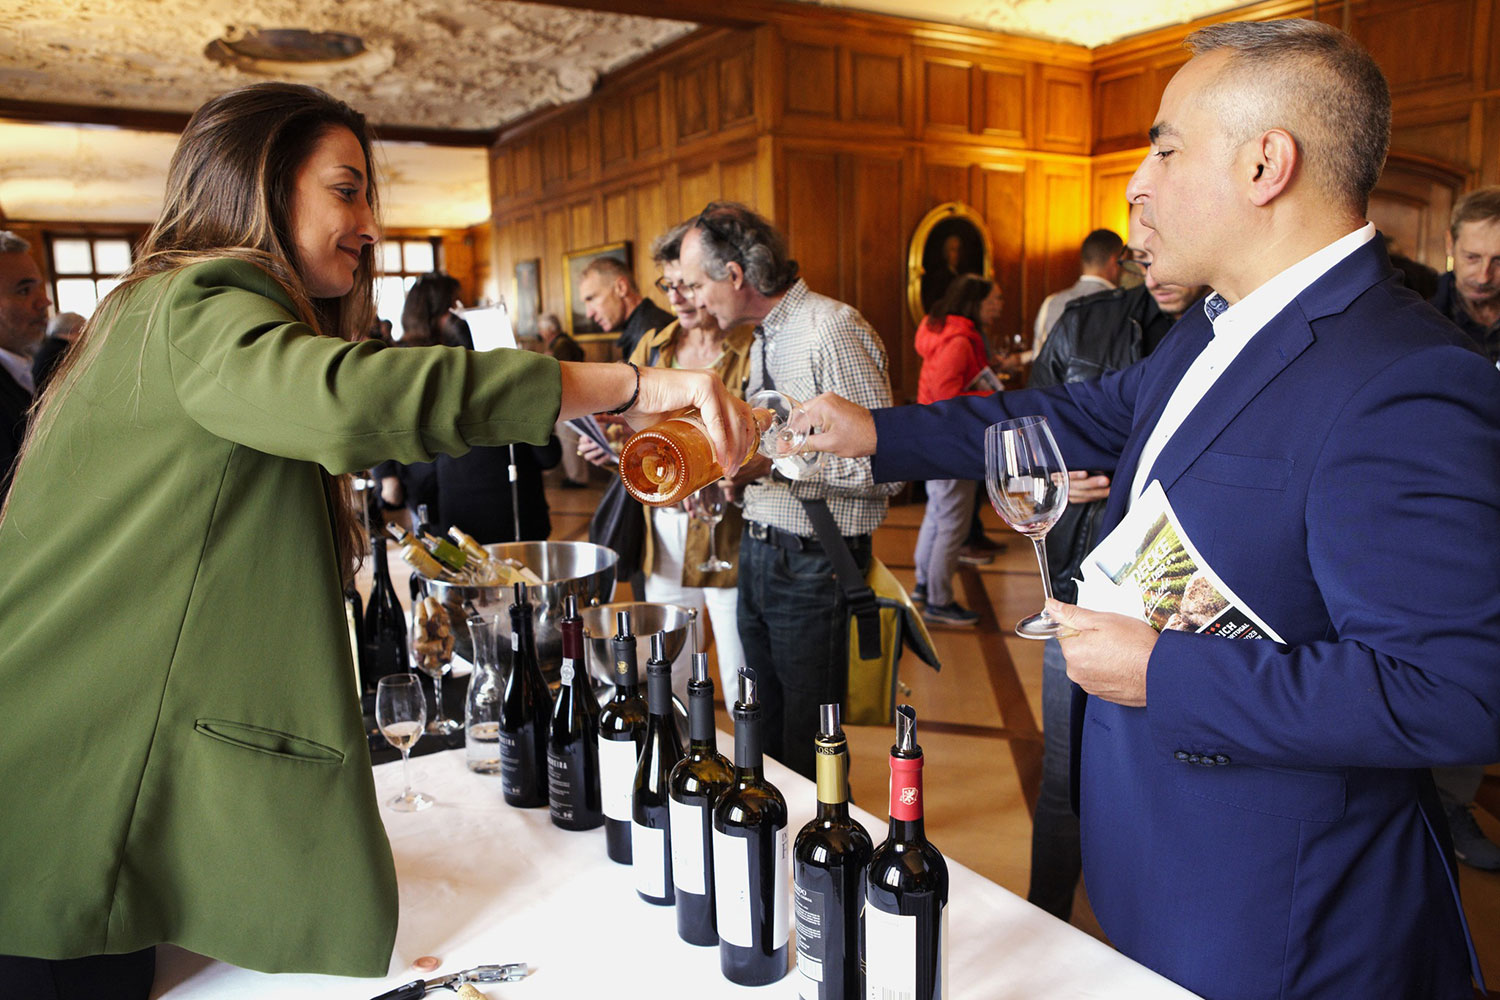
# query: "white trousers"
{"points": [[664, 586]]}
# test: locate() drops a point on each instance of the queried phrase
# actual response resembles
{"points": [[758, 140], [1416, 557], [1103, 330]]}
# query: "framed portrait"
{"points": [[574, 263], [952, 239], [528, 297]]}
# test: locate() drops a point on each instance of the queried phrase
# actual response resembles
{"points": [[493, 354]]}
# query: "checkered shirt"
{"points": [[812, 344]]}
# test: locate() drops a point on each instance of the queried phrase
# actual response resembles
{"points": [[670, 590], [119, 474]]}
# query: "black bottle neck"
{"points": [[748, 761], [659, 690], [574, 672], [626, 682], [701, 734]]}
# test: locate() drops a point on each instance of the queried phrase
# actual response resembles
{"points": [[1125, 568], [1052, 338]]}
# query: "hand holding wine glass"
{"points": [[1028, 487], [400, 711]]}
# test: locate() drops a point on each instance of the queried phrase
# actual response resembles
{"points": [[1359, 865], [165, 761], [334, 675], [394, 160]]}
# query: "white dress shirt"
{"points": [[1233, 327], [19, 369]]}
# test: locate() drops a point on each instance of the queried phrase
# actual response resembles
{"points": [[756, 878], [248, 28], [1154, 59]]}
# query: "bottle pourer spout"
{"points": [[622, 624], [828, 720], [748, 685], [659, 646], [570, 606], [700, 667], [520, 593], [906, 729]]}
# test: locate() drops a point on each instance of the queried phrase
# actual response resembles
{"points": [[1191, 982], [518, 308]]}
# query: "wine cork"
{"points": [[468, 992]]}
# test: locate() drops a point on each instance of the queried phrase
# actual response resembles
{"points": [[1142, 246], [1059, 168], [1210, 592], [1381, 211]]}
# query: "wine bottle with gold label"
{"points": [[828, 873]]}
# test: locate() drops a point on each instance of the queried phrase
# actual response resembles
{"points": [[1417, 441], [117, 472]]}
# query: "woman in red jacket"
{"points": [[954, 355]]}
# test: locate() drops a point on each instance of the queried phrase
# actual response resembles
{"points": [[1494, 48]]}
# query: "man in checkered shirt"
{"points": [[793, 616]]}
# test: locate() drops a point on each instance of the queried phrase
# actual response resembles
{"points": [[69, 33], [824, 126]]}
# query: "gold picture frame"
{"points": [[574, 264], [932, 261]]}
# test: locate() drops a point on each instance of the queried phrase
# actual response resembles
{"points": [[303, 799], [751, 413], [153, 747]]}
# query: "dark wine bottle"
{"points": [[573, 746], [622, 734], [750, 858], [525, 713], [650, 814], [903, 933], [828, 875], [695, 785], [385, 623]]}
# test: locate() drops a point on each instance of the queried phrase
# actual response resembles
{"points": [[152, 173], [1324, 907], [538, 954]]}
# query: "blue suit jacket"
{"points": [[1343, 477]]}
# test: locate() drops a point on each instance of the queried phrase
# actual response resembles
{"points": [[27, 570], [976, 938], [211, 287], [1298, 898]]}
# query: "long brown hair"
{"points": [[229, 194]]}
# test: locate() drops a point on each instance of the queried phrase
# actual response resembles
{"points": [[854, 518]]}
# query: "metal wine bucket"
{"points": [[585, 570], [677, 621]]}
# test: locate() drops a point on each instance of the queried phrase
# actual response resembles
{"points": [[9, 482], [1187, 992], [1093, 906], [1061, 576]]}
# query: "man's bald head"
{"points": [[1313, 82]]}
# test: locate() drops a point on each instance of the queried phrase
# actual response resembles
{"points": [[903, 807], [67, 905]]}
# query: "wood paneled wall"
{"points": [[844, 137], [846, 130]]}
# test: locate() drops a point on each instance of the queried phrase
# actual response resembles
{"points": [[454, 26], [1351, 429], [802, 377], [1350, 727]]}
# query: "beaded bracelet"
{"points": [[634, 395]]}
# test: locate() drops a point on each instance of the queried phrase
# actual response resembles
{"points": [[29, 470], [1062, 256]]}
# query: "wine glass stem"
{"points": [[713, 534], [406, 772], [1039, 541], [437, 698]]}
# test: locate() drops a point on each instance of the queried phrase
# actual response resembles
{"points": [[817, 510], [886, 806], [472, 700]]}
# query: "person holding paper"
{"points": [[1258, 817]]}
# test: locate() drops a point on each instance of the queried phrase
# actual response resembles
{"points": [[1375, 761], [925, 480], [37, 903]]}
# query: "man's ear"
{"points": [[622, 287], [1272, 161], [736, 274]]}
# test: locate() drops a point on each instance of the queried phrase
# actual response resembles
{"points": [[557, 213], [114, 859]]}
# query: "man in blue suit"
{"points": [[1258, 818]]}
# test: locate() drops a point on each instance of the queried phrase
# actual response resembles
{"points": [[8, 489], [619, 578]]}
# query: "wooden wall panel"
{"points": [[946, 94], [738, 181], [615, 133], [580, 152], [651, 219], [554, 155], [696, 90], [872, 226], [1064, 110], [526, 170], [581, 229], [811, 221], [876, 88], [1420, 45], [500, 185], [812, 80], [945, 182], [1058, 212], [1004, 103], [645, 117], [1443, 134], [1110, 176], [619, 223], [1003, 197], [696, 188], [1122, 101], [737, 85]]}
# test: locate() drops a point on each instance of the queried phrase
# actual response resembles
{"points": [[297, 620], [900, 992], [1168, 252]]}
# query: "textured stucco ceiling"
{"points": [[1082, 22], [457, 64]]}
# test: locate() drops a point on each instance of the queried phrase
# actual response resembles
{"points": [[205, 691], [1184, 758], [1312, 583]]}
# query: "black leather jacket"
{"points": [[1098, 333]]}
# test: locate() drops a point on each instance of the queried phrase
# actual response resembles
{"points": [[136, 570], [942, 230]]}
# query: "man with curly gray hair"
{"points": [[792, 612]]}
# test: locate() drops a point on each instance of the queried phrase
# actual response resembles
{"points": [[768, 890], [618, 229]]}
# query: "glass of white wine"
{"points": [[708, 506], [400, 712], [1028, 487], [784, 441]]}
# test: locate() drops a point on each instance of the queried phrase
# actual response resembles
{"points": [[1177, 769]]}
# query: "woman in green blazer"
{"points": [[184, 759]]}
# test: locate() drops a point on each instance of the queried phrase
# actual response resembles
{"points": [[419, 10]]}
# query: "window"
{"points": [[402, 261], [85, 268]]}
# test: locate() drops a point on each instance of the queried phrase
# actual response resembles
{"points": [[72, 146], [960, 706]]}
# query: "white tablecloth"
{"points": [[484, 883]]}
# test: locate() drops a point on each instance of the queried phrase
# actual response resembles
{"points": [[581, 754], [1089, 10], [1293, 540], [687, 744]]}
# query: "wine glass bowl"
{"points": [[708, 507], [1027, 483], [400, 712], [432, 641], [784, 441]]}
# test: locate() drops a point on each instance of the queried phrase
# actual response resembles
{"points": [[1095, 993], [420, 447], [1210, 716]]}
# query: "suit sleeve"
{"points": [[945, 440], [246, 370], [1403, 527]]}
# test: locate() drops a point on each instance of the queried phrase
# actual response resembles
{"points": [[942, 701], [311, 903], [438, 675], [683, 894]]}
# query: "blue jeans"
{"points": [[950, 504], [794, 626], [1056, 861]]}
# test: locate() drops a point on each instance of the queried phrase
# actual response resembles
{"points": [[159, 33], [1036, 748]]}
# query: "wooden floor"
{"points": [[980, 722]]}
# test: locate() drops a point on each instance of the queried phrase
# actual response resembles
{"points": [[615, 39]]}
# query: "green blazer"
{"points": [[183, 758]]}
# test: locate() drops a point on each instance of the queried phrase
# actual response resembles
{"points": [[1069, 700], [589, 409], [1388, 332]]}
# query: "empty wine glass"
{"points": [[784, 441], [1028, 487], [708, 506], [431, 635], [400, 711]]}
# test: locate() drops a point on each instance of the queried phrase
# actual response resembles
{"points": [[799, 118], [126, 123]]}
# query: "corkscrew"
{"points": [[513, 972]]}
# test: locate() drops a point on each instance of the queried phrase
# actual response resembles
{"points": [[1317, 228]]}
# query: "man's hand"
{"points": [[1086, 488], [730, 425], [843, 428], [592, 452], [1108, 655]]}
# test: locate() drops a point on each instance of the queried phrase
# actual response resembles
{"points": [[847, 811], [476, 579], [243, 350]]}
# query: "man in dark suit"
{"points": [[1258, 817], [23, 321]]}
